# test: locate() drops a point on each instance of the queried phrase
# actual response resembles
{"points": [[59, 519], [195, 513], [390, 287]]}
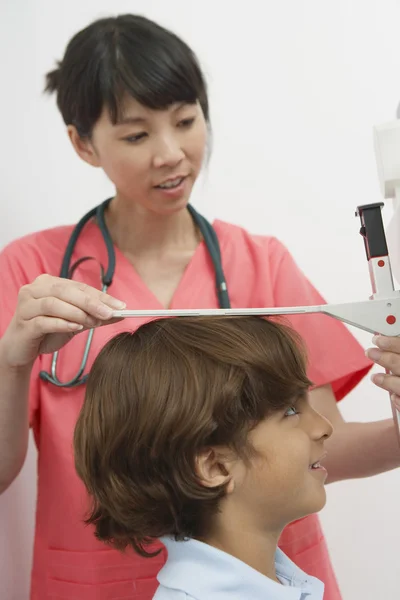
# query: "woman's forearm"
{"points": [[358, 450], [355, 449], [14, 426]]}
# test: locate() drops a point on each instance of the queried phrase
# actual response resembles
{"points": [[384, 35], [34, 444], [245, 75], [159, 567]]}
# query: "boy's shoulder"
{"points": [[197, 571], [164, 593]]}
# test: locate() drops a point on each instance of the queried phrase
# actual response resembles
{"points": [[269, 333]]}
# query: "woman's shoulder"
{"points": [[40, 240], [238, 237], [37, 252]]}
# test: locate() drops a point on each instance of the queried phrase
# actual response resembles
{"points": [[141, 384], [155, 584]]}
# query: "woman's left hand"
{"points": [[387, 355]]}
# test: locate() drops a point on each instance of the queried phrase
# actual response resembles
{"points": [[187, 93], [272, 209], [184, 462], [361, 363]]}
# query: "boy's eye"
{"points": [[135, 138], [291, 411], [186, 122]]}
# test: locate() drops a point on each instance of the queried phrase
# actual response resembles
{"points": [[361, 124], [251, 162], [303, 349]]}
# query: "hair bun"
{"points": [[53, 80]]}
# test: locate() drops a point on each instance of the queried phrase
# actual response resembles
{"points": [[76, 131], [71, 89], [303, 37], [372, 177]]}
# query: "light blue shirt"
{"points": [[197, 571]]}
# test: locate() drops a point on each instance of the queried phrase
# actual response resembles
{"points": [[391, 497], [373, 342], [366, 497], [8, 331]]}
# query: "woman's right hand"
{"points": [[50, 311]]}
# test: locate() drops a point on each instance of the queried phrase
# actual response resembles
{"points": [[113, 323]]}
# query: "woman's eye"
{"points": [[186, 122], [291, 411], [132, 139]]}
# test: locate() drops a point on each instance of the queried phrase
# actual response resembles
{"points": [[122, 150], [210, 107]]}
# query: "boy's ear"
{"points": [[214, 467], [83, 146]]}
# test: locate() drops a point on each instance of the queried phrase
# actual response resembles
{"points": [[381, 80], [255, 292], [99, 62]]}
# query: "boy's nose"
{"points": [[322, 427]]}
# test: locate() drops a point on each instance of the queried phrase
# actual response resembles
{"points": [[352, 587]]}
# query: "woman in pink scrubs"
{"points": [[135, 104]]}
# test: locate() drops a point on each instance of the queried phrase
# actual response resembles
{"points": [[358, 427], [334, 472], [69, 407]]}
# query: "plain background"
{"points": [[295, 88]]}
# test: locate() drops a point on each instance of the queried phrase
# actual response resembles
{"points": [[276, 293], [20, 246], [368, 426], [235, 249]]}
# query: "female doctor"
{"points": [[135, 104]]}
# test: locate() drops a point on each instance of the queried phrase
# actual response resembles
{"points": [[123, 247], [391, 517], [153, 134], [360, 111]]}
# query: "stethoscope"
{"points": [[213, 248]]}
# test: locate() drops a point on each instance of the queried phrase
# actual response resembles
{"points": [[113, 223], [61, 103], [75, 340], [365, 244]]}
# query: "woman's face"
{"points": [[153, 157]]}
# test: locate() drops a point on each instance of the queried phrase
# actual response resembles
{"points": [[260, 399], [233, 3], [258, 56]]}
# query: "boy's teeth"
{"points": [[316, 465], [171, 184]]}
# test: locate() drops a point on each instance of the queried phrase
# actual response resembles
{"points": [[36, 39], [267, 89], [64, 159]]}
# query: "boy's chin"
{"points": [[313, 505], [318, 501], [321, 501]]}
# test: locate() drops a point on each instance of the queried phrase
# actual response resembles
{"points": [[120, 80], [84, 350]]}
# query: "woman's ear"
{"points": [[83, 147], [215, 467]]}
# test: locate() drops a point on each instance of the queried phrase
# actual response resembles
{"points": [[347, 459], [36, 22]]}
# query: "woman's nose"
{"points": [[168, 152]]}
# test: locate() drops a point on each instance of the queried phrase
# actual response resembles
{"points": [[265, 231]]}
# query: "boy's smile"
{"points": [[318, 467], [284, 480]]}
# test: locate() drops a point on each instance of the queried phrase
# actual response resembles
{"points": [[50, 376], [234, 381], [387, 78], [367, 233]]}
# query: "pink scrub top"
{"points": [[69, 563]]}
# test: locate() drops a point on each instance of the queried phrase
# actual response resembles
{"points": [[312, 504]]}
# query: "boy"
{"points": [[198, 432]]}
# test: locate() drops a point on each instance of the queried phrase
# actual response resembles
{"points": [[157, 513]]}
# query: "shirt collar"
{"points": [[205, 572]]}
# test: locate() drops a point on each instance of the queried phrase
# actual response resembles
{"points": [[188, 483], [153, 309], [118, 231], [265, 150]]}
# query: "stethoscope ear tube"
{"points": [[65, 265], [214, 250]]}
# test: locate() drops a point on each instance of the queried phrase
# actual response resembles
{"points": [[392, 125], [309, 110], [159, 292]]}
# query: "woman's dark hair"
{"points": [[119, 56], [157, 398]]}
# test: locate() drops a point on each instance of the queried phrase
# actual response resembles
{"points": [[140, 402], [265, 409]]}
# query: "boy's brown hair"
{"points": [[156, 398]]}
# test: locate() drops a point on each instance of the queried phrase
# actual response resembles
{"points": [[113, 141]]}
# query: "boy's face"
{"points": [[280, 485]]}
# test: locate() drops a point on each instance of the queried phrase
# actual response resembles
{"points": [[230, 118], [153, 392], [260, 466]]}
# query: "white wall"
{"points": [[295, 89]]}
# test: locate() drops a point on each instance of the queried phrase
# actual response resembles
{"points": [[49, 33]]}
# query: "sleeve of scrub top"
{"points": [[334, 355], [18, 267]]}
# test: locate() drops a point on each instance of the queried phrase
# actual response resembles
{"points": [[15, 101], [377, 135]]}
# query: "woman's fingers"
{"points": [[53, 296], [387, 355], [54, 307], [388, 382], [48, 312], [42, 326]]}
